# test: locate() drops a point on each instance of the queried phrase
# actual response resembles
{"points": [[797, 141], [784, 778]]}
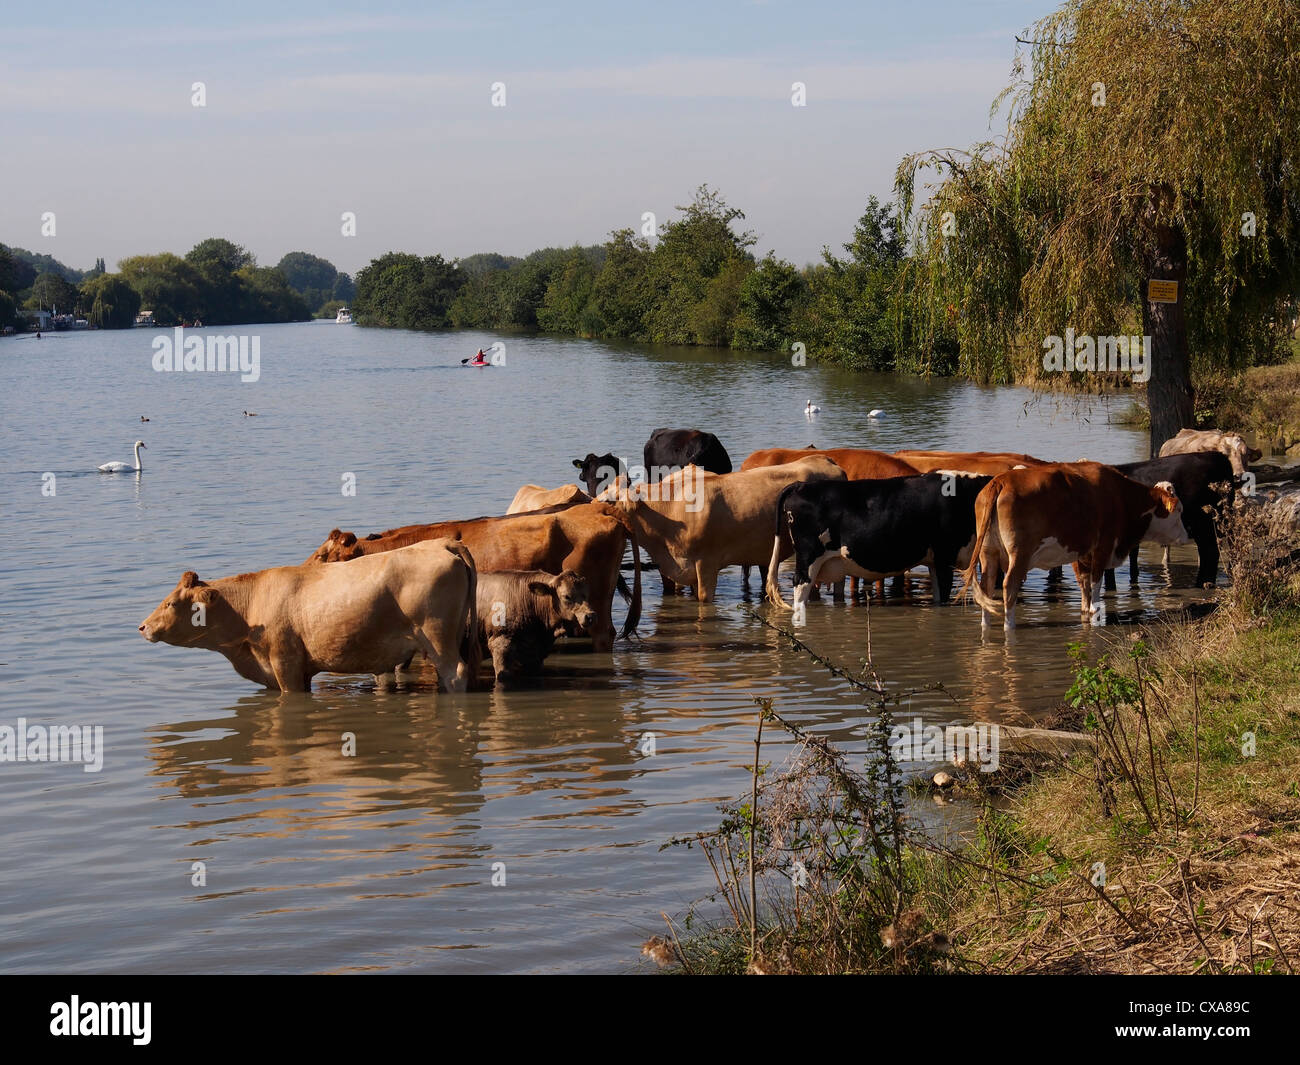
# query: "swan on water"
{"points": [[811, 408], [122, 467], [877, 413]]}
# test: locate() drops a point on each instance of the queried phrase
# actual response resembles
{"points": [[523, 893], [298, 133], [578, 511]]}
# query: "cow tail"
{"points": [[772, 586], [970, 586], [634, 607], [470, 648]]}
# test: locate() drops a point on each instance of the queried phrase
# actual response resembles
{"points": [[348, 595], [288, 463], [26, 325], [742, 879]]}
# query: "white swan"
{"points": [[122, 467], [811, 409], [877, 413]]}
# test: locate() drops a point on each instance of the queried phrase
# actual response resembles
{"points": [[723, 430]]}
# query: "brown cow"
{"points": [[695, 523], [533, 497], [990, 463], [588, 538], [520, 612], [858, 464], [1045, 516], [280, 627]]}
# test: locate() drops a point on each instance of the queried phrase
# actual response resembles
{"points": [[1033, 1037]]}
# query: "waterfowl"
{"points": [[122, 467]]}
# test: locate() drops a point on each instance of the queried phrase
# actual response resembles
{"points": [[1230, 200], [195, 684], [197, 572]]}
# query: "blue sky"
{"points": [[386, 111]]}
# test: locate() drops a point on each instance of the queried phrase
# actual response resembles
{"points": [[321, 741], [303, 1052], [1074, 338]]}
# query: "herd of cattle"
{"points": [[507, 587]]}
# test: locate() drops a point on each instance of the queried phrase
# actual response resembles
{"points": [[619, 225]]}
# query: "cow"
{"points": [[671, 449], [875, 529], [588, 538], [280, 627], [520, 613], [1040, 517], [533, 497], [1230, 444], [988, 462], [857, 463], [695, 523], [1203, 481], [598, 472]]}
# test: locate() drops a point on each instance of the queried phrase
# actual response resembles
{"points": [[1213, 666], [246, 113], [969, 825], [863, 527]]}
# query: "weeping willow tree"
{"points": [[1145, 140]]}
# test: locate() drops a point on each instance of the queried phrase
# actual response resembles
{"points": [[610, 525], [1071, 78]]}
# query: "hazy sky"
{"points": [[386, 110]]}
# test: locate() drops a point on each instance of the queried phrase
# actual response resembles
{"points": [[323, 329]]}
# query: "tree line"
{"points": [[216, 282], [695, 281]]}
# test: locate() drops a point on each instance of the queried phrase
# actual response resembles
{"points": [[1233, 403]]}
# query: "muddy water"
{"points": [[315, 862]]}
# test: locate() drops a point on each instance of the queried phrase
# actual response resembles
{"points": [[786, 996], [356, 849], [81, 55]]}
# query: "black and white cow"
{"points": [[1203, 481], [876, 529], [520, 614]]}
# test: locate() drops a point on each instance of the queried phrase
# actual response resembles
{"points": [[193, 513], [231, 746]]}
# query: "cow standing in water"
{"points": [[1085, 513], [875, 529], [588, 538], [280, 627], [520, 614]]}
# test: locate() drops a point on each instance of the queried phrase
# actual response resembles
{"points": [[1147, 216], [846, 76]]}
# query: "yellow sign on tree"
{"points": [[1162, 291]]}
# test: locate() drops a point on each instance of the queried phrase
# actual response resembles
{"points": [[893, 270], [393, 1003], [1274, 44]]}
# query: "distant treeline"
{"points": [[217, 282], [697, 283]]}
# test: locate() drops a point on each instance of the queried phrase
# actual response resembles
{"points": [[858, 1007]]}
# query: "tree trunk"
{"points": [[1169, 390]]}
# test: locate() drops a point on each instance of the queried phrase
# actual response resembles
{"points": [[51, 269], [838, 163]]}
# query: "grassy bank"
{"points": [[1172, 845]]}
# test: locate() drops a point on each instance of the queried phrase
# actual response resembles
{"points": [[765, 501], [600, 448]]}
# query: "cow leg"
{"points": [[990, 578], [880, 590], [1207, 549], [1054, 574], [1164, 557], [670, 588], [453, 672], [289, 667], [386, 682], [706, 582], [1133, 566], [837, 591], [941, 578], [1110, 581], [799, 601], [1015, 577], [744, 575]]}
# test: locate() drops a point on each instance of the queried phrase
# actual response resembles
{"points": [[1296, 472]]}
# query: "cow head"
{"points": [[338, 547], [192, 615], [1238, 453], [598, 472], [567, 592], [1167, 519]]}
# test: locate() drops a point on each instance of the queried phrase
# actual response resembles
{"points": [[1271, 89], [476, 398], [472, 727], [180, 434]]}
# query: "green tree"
{"points": [[564, 306], [51, 292], [310, 276], [168, 285], [692, 251], [769, 297], [407, 292], [112, 302], [621, 295], [1146, 139]]}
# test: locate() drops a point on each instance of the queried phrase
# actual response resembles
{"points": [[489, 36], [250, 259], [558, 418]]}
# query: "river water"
{"points": [[315, 862]]}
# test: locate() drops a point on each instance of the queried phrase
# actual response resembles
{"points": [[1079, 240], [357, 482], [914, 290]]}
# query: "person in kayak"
{"points": [[480, 359]]}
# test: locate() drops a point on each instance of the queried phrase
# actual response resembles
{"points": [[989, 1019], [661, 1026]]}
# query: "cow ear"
{"points": [[577, 463], [348, 539], [541, 588], [205, 594], [190, 579]]}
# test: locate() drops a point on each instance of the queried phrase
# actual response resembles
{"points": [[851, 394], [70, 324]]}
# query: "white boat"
{"points": [[344, 317]]}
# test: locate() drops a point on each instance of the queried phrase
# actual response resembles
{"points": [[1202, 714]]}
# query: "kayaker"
{"points": [[480, 359]]}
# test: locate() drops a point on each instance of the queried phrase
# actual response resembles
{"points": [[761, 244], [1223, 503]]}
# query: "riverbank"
{"points": [[1164, 841]]}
